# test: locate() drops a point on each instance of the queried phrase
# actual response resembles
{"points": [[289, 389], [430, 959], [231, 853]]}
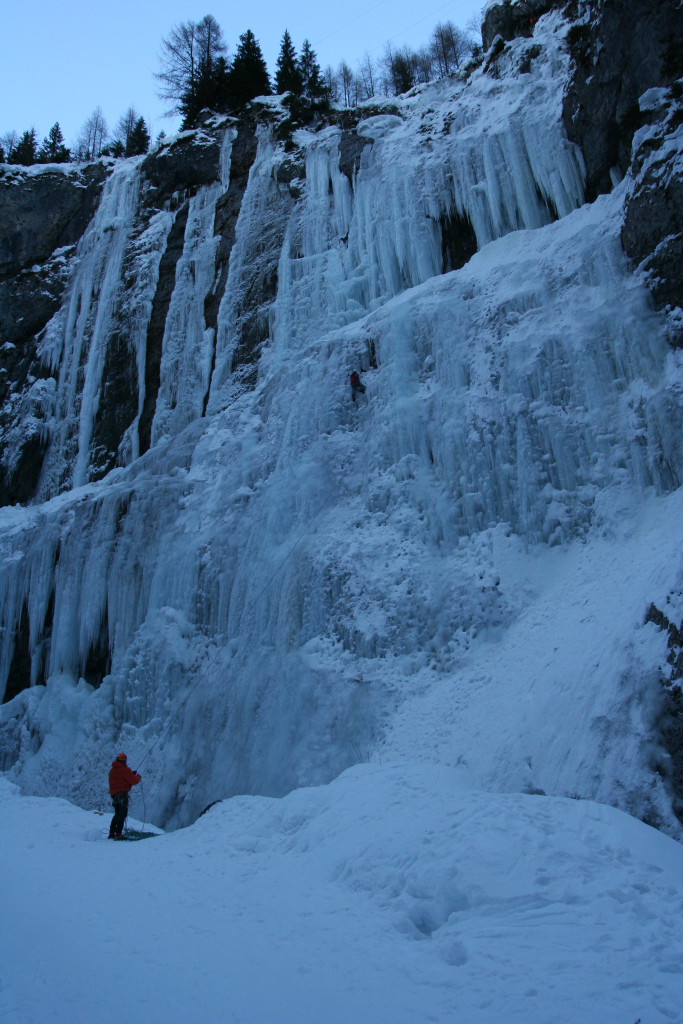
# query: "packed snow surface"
{"points": [[398, 894]]}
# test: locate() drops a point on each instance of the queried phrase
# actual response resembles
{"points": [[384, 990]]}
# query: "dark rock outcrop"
{"points": [[652, 234], [157, 323], [44, 213], [177, 170], [458, 240], [351, 149], [170, 176], [512, 20], [228, 208], [29, 236], [621, 49], [670, 721]]}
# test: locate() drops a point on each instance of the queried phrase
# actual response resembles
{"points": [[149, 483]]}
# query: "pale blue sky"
{"points": [[60, 60]]}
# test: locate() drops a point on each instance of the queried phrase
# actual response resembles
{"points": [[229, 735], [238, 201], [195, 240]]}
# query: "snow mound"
{"points": [[394, 895]]}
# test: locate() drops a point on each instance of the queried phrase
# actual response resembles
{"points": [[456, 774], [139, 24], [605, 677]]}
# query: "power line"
{"points": [[351, 21], [421, 21], [396, 36]]}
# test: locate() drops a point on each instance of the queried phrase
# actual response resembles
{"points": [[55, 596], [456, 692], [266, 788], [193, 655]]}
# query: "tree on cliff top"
{"points": [[53, 150], [191, 64], [449, 46], [26, 150], [139, 139], [93, 137], [288, 77], [8, 143], [313, 84], [248, 75], [131, 137]]}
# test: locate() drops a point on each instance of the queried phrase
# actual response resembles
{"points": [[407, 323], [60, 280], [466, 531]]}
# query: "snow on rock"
{"points": [[396, 894]]}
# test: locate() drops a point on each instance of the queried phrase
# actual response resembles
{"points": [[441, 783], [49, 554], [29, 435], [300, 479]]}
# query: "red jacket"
{"points": [[122, 778]]}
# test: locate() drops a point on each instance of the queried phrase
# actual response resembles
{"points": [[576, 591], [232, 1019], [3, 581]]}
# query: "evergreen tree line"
{"points": [[130, 138], [196, 74], [24, 149]]}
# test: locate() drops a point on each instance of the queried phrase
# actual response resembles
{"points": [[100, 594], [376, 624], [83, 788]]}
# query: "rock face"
{"points": [[43, 215], [47, 213], [653, 227], [42, 212], [511, 19], [620, 48]]}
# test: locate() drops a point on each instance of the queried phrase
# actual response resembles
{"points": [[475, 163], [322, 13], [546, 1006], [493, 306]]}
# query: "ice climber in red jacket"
{"points": [[121, 781]]}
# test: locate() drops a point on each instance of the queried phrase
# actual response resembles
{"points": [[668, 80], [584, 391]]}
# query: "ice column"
{"points": [[188, 345], [75, 342]]}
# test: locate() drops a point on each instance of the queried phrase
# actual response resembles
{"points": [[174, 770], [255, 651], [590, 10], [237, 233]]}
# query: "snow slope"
{"points": [[397, 894]]}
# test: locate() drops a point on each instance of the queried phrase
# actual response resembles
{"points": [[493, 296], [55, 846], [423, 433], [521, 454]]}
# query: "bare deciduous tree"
{"points": [[449, 46], [9, 142], [400, 71], [179, 59], [424, 65], [345, 76], [367, 77], [125, 127], [331, 83], [92, 137], [188, 54]]}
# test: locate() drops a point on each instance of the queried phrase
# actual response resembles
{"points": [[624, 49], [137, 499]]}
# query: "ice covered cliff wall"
{"points": [[234, 571]]}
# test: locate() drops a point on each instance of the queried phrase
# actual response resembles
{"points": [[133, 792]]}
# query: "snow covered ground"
{"points": [[398, 894]]}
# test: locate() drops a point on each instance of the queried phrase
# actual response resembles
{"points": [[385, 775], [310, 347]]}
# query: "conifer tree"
{"points": [[53, 150], [131, 137], [346, 82], [138, 142], [26, 150], [248, 75], [288, 77], [219, 86], [211, 71], [314, 88]]}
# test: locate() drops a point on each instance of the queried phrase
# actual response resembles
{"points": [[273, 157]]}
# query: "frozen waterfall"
{"points": [[288, 567]]}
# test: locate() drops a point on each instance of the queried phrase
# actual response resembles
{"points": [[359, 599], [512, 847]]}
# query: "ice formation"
{"points": [[284, 571]]}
